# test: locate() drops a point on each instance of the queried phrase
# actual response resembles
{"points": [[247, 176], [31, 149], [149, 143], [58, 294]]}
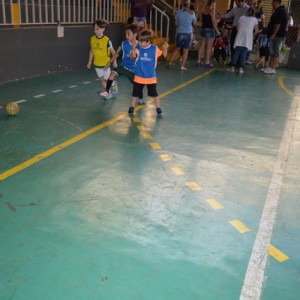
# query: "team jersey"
{"points": [[101, 50], [127, 61], [146, 62]]}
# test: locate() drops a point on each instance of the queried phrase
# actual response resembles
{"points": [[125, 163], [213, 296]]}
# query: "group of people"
{"points": [[217, 36], [138, 64], [139, 56]]}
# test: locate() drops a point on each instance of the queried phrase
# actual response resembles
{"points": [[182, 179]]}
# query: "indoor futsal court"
{"points": [[96, 204]]}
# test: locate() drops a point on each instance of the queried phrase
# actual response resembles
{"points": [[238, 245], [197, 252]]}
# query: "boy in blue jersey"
{"points": [[146, 56], [128, 64]]}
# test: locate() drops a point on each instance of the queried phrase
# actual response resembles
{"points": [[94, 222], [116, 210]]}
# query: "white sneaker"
{"points": [[269, 71], [241, 71], [230, 69]]}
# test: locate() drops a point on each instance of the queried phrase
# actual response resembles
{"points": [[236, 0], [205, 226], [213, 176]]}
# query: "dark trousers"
{"points": [[232, 38], [219, 52]]}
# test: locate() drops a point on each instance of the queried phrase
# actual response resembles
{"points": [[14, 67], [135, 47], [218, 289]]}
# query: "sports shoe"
{"points": [[248, 62], [141, 101], [269, 71], [199, 64], [131, 110], [241, 71], [183, 68], [159, 111], [208, 66], [231, 69], [104, 94], [114, 88]]}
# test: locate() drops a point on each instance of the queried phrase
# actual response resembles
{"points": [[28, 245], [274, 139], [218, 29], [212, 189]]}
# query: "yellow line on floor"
{"points": [[282, 85], [214, 203], [240, 226], [85, 134], [277, 254]]}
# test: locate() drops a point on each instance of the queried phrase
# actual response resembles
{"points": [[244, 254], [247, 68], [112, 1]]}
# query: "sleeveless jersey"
{"points": [[127, 62], [100, 48], [146, 63]]}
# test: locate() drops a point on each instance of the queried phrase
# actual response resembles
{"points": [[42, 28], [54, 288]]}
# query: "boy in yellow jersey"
{"points": [[100, 53]]}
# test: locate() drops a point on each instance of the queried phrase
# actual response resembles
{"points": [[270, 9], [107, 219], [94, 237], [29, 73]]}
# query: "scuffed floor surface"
{"points": [[98, 205]]}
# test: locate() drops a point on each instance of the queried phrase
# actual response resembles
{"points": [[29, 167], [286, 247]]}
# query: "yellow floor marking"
{"points": [[155, 146], [146, 136], [83, 135], [165, 157], [140, 127], [280, 81], [177, 170], [277, 254], [214, 203], [194, 185], [59, 147], [240, 226], [136, 120]]}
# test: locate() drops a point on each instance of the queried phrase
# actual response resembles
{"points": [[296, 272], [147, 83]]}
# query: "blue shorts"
{"points": [[183, 40], [207, 33]]}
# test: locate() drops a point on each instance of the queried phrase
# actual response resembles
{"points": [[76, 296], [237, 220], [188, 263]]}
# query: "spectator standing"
{"points": [[238, 11], [184, 21], [276, 33], [207, 33], [244, 38], [259, 14], [139, 10]]}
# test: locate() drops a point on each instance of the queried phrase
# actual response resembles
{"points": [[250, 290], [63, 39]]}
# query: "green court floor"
{"points": [[98, 205]]}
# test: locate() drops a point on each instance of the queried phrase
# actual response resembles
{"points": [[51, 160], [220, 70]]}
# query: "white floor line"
{"points": [[253, 282], [57, 91], [72, 86], [86, 82], [39, 96], [21, 101]]}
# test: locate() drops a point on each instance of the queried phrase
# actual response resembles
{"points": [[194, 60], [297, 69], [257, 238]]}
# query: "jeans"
{"points": [[239, 52]]}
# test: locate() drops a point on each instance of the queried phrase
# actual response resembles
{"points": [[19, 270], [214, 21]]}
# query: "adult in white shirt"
{"points": [[244, 38]]}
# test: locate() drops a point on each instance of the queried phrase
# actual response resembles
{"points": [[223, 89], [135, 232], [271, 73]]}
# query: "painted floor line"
{"points": [[277, 254], [21, 101], [39, 96], [253, 282], [83, 135]]}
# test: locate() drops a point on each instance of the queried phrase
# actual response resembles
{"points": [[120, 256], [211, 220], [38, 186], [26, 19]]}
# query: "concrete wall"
{"points": [[29, 52]]}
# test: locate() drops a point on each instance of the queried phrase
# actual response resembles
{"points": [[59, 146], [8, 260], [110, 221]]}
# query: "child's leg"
{"points": [[110, 80], [152, 92], [223, 54], [103, 82], [137, 89]]}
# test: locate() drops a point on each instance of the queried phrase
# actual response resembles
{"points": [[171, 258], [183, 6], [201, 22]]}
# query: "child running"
{"points": [[146, 56], [128, 64], [100, 52]]}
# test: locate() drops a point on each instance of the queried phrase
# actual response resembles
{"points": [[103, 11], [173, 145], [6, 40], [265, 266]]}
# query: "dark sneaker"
{"points": [[159, 111], [131, 110]]}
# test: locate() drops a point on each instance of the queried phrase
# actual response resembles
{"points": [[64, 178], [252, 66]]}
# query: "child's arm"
{"points": [[134, 52], [113, 58], [91, 56], [165, 47]]}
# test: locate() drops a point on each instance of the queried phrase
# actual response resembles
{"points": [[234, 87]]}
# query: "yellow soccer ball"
{"points": [[11, 108]]}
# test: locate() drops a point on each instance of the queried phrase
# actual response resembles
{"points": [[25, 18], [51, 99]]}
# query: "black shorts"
{"points": [[138, 89], [264, 51]]}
